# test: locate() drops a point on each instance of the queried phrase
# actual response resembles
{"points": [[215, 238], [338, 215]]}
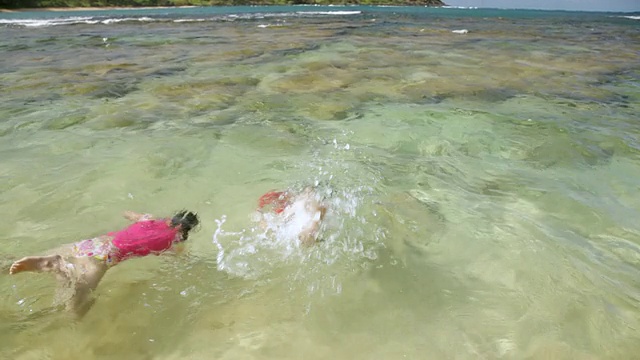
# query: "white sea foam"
{"points": [[70, 21], [344, 12], [115, 21], [45, 22], [461, 31], [632, 17], [91, 20], [460, 7], [188, 20], [264, 26]]}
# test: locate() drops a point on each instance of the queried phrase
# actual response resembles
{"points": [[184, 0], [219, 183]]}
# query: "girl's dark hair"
{"points": [[187, 219]]}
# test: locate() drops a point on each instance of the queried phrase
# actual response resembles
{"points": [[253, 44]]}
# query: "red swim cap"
{"points": [[278, 199]]}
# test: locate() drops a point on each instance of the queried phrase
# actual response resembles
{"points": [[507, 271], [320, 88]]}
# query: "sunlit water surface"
{"points": [[483, 188]]}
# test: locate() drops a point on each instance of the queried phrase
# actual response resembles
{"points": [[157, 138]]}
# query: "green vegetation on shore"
{"points": [[22, 4]]}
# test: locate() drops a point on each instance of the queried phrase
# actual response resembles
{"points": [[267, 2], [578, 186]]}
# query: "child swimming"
{"points": [[82, 265], [297, 215]]}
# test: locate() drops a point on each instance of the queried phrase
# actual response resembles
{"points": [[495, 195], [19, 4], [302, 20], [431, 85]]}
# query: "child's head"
{"points": [[186, 220]]}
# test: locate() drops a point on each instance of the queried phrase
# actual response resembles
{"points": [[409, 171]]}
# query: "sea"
{"points": [[480, 169]]}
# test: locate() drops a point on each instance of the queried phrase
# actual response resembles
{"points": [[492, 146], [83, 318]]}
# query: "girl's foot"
{"points": [[36, 263]]}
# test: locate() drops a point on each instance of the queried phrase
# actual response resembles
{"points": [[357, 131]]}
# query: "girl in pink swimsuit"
{"points": [[83, 264]]}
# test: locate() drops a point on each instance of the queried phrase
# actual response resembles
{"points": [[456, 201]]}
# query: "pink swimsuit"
{"points": [[139, 239], [143, 238]]}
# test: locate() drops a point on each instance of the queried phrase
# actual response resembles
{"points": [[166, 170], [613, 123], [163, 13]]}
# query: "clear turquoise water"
{"points": [[483, 186]]}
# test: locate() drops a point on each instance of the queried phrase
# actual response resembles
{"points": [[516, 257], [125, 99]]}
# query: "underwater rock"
{"points": [[236, 55], [237, 80], [407, 214], [119, 119], [304, 82], [567, 152], [170, 71], [327, 109], [114, 90], [295, 50], [67, 120]]}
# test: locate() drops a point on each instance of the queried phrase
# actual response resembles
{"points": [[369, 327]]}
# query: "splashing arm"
{"points": [[177, 249], [134, 216]]}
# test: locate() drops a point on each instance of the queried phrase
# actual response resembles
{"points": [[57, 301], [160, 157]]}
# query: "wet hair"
{"points": [[187, 220]]}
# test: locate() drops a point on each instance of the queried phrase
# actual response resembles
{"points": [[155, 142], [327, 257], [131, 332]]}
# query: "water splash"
{"points": [[269, 248]]}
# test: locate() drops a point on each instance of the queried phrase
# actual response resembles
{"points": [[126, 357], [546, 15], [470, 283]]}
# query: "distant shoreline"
{"points": [[94, 8], [97, 8]]}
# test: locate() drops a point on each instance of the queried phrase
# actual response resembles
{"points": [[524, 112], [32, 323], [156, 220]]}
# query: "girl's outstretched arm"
{"points": [[177, 249], [134, 216]]}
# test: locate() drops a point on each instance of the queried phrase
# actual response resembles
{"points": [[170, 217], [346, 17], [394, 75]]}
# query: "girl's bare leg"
{"points": [[53, 263], [79, 274], [86, 274]]}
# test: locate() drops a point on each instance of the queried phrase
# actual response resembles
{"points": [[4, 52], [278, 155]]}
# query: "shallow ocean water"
{"points": [[483, 187]]}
